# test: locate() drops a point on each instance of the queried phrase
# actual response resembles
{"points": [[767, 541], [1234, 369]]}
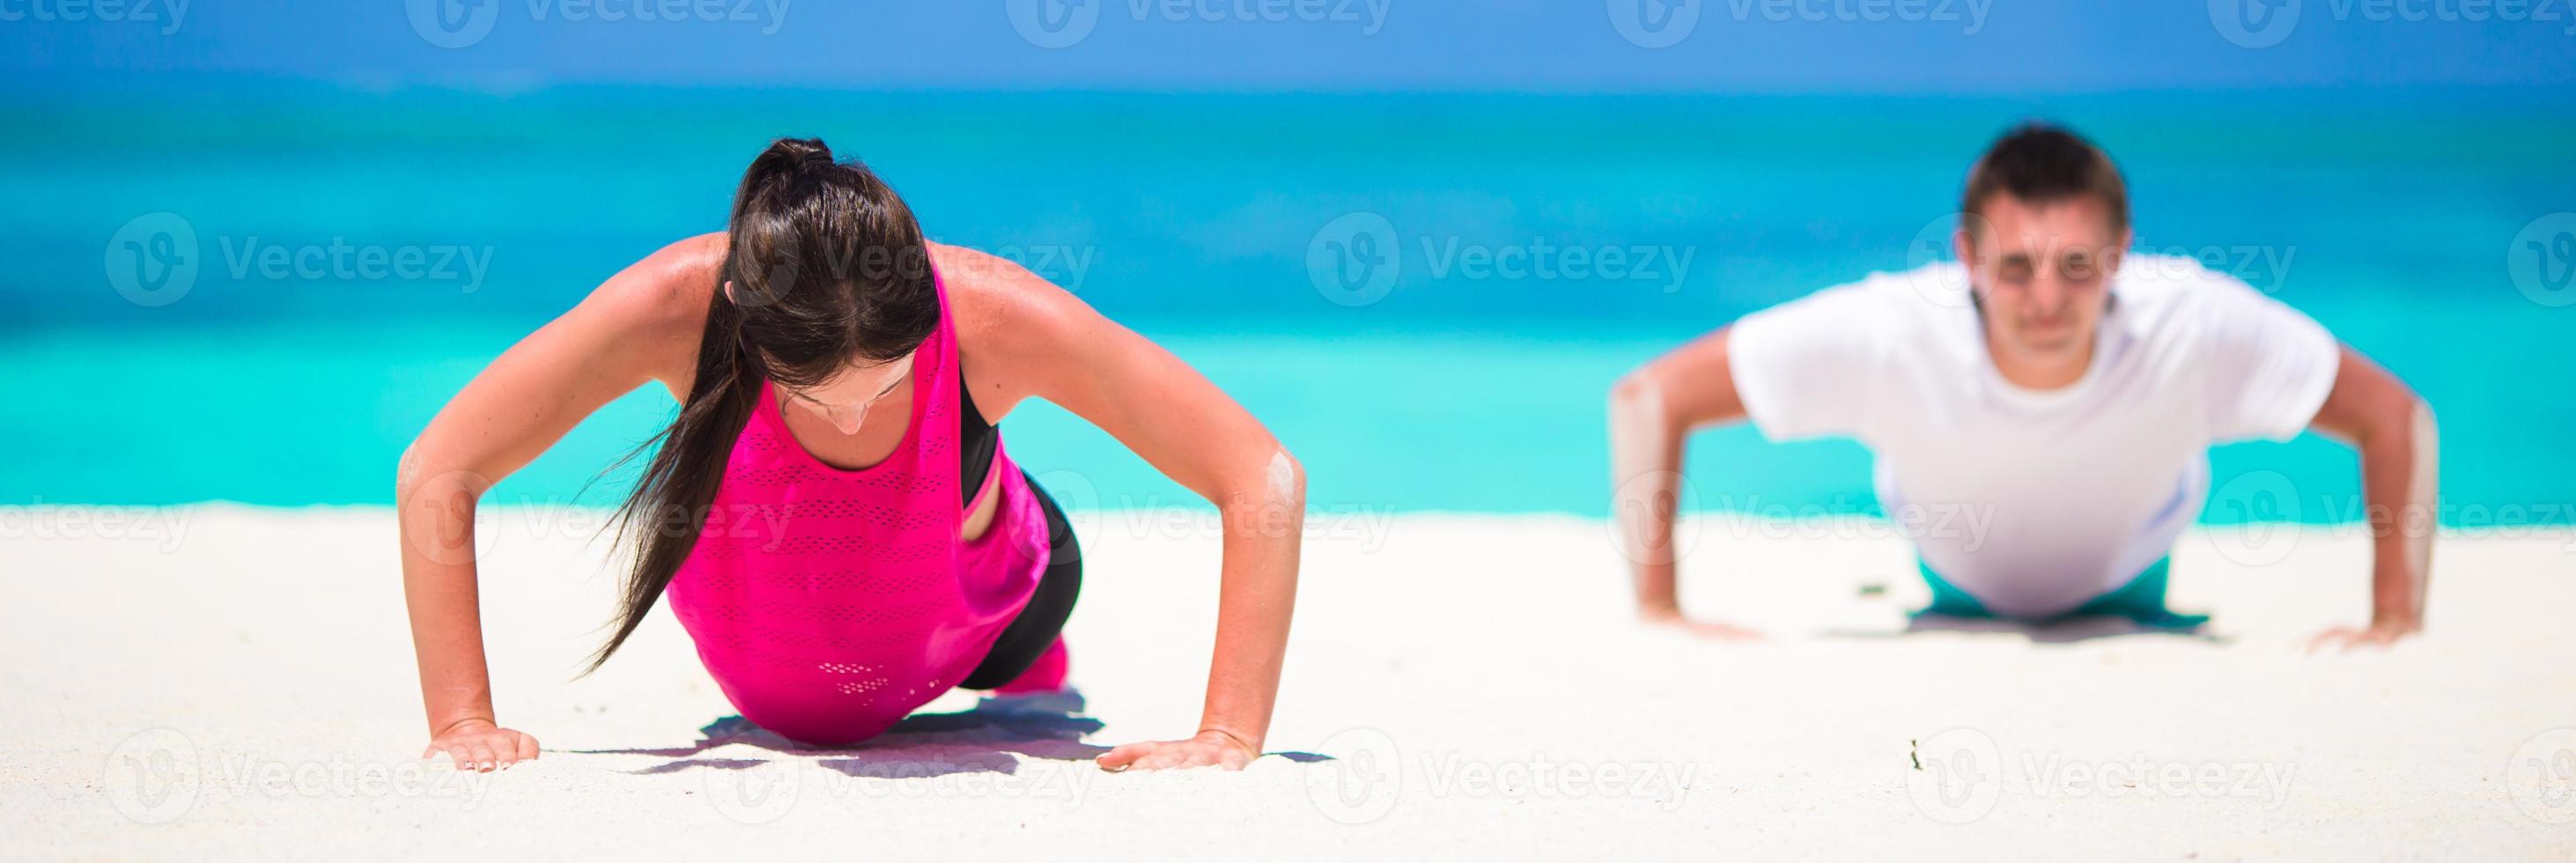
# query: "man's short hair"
{"points": [[2043, 163]]}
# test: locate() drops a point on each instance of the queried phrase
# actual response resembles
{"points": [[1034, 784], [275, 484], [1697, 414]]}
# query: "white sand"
{"points": [[1458, 670]]}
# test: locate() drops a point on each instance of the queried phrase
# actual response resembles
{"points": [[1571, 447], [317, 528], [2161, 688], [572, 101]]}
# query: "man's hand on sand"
{"points": [[479, 745], [2349, 638], [1208, 749], [1708, 629]]}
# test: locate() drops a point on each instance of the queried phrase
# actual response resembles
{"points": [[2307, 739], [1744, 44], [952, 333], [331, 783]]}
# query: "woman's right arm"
{"points": [[640, 326]]}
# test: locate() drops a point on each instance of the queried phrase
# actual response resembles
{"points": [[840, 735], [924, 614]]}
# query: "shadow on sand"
{"points": [[2066, 631], [990, 738]]}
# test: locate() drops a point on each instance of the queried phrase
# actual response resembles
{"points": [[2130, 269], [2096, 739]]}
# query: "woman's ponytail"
{"points": [[807, 293]]}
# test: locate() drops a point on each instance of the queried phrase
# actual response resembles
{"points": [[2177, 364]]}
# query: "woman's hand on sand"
{"points": [[2349, 638], [479, 745], [1208, 749], [1708, 629]]}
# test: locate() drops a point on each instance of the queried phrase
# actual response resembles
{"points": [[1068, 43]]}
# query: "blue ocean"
{"points": [[260, 293]]}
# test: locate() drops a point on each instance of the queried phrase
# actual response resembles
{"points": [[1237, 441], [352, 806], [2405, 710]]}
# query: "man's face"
{"points": [[2043, 273]]}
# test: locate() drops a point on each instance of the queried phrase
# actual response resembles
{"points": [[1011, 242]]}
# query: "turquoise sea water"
{"points": [[358, 256]]}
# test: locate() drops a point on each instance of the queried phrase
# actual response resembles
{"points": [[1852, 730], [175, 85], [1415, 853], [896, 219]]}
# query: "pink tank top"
{"points": [[829, 603]]}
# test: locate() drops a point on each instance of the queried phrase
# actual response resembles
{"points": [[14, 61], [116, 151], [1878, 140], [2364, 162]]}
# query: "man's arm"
{"points": [[1652, 410], [2376, 413]]}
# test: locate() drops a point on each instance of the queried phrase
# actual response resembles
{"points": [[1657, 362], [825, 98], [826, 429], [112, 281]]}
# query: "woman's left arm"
{"points": [[1022, 336]]}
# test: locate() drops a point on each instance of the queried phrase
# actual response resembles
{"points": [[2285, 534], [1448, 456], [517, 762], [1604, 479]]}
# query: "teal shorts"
{"points": [[2141, 601]]}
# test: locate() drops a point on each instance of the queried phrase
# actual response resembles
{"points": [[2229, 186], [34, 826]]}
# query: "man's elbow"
{"points": [[2405, 421], [1638, 393], [2422, 429], [2371, 406]]}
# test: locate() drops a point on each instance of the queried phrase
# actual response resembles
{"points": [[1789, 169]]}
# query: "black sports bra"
{"points": [[975, 443]]}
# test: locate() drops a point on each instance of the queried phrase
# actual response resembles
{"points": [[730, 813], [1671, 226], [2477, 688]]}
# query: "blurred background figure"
{"points": [[1376, 223]]}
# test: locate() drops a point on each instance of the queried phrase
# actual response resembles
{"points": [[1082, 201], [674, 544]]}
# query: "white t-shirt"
{"points": [[2036, 501]]}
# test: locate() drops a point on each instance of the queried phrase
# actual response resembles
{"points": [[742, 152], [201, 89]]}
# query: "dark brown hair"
{"points": [[828, 269], [2044, 163]]}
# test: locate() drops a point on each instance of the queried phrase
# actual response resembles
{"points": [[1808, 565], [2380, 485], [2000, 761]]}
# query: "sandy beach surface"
{"points": [[234, 682]]}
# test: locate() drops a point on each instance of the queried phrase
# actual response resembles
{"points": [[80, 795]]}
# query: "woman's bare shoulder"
{"points": [[1006, 320], [990, 294], [657, 307], [671, 286]]}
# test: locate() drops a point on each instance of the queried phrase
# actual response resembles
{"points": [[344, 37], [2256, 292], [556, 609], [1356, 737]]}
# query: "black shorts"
{"points": [[1031, 633]]}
